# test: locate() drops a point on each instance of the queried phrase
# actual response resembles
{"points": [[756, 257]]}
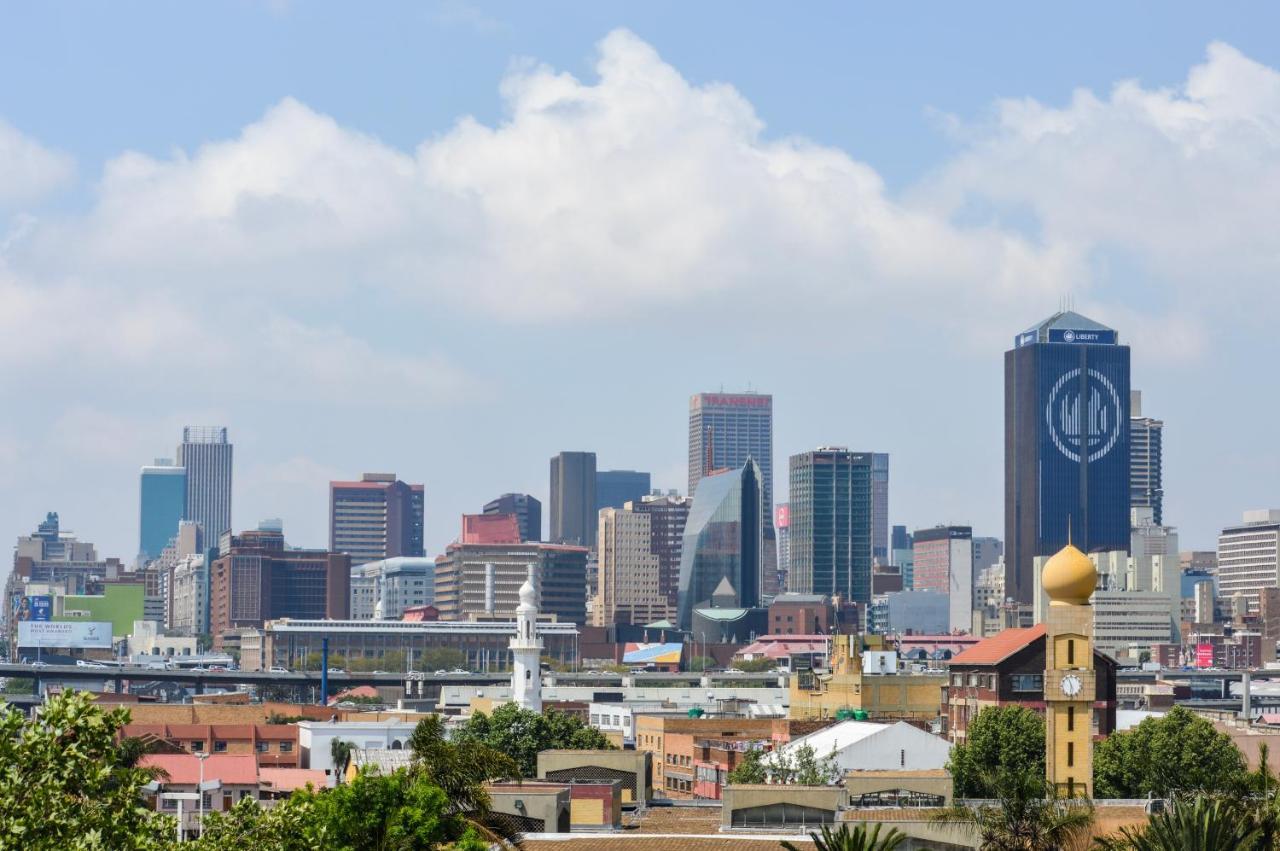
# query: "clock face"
{"points": [[1071, 685]]}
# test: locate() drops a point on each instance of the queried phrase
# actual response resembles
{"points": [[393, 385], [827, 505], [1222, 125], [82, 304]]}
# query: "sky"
{"points": [[449, 240]]}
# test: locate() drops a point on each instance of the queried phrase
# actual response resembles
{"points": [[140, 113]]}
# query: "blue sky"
{"points": [[450, 240]]}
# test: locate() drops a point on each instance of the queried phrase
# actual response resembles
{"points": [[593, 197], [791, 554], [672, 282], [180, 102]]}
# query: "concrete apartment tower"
{"points": [[526, 650]]}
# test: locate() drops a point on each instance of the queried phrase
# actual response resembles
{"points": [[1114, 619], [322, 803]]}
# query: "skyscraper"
{"points": [[1066, 444], [943, 559], [723, 539], [163, 505], [615, 488], [629, 588], [782, 525], [573, 499], [667, 518], [527, 509], [880, 506], [901, 557], [206, 456], [1249, 557], [1146, 446], [376, 518], [831, 515], [725, 429]]}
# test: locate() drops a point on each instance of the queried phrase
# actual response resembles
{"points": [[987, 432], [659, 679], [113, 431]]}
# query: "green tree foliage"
{"points": [[701, 663], [751, 770], [1027, 816], [377, 812], [522, 733], [459, 766], [290, 825], [800, 767], [66, 784], [439, 659], [20, 685], [1000, 740], [755, 666], [854, 838], [340, 753], [1179, 752], [1199, 824]]}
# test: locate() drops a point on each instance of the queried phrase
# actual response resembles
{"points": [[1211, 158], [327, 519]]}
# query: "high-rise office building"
{"points": [[206, 454], [1066, 444], [382, 590], [880, 506], [1249, 557], [830, 544], [1146, 448], [378, 517], [527, 510], [900, 555], [943, 559], [615, 488], [726, 429], [162, 506], [723, 539], [257, 578], [573, 499], [668, 515], [628, 587], [986, 553]]}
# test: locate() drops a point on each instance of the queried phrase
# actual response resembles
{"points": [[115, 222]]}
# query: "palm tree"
{"points": [[858, 838], [341, 753], [1201, 824], [1027, 816]]}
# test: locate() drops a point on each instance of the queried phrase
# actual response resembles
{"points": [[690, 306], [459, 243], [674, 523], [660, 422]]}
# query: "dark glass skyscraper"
{"points": [[615, 488], [831, 523], [1066, 426], [527, 509], [723, 538]]}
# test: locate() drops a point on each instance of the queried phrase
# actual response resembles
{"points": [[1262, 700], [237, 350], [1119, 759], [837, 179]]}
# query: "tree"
{"points": [[701, 663], [522, 733], [756, 666], [1200, 823], [1179, 752], [460, 767], [1000, 740], [291, 825], [384, 812], [1027, 816], [857, 838], [751, 770], [66, 784], [340, 751], [439, 659]]}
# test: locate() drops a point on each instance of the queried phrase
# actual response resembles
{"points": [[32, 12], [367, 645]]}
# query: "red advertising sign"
{"points": [[782, 516], [1204, 655]]}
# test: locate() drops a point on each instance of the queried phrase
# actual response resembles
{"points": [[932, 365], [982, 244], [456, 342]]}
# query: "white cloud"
{"points": [[28, 170], [631, 192], [1183, 184]]}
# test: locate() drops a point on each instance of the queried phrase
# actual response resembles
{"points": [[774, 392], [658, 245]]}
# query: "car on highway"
{"points": [[275, 669], [336, 671], [442, 673], [217, 667], [459, 671]]}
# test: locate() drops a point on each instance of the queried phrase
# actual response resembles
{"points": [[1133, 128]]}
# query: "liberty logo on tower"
{"points": [[1084, 417]]}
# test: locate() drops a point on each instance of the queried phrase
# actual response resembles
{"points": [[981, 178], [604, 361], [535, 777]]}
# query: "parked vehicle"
{"points": [[278, 670]]}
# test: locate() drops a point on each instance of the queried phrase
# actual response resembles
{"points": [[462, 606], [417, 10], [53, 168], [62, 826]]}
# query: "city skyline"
{"points": [[82, 261]]}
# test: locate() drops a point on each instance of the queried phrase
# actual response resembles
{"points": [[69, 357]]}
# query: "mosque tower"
{"points": [[1070, 682], [526, 650]]}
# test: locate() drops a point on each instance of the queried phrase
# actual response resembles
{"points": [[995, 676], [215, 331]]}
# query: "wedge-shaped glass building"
{"points": [[723, 539]]}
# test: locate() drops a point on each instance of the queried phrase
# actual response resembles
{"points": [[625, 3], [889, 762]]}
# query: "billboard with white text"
{"points": [[86, 634]]}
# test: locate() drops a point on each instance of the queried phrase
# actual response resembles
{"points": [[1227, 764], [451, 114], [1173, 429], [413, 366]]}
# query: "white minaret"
{"points": [[526, 650]]}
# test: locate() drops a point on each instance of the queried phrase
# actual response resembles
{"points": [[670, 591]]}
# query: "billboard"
{"points": [[38, 607], [87, 634], [1204, 655]]}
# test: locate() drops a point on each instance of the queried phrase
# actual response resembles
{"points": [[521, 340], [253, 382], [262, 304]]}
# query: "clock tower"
{"points": [[1070, 683]]}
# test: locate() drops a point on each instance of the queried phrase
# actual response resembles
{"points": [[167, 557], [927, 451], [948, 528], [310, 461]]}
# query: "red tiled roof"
{"points": [[291, 779], [277, 732], [184, 769], [999, 647]]}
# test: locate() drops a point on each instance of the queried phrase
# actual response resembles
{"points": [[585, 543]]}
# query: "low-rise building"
{"points": [[274, 745], [1009, 670], [869, 746], [631, 769], [315, 739], [896, 695]]}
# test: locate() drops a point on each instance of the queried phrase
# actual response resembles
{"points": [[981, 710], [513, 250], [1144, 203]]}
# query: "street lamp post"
{"points": [[200, 791]]}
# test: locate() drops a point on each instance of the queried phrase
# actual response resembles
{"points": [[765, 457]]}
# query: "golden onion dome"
{"points": [[1069, 577]]}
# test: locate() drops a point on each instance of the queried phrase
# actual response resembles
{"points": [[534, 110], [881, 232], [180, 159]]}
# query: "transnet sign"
{"points": [[731, 401]]}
